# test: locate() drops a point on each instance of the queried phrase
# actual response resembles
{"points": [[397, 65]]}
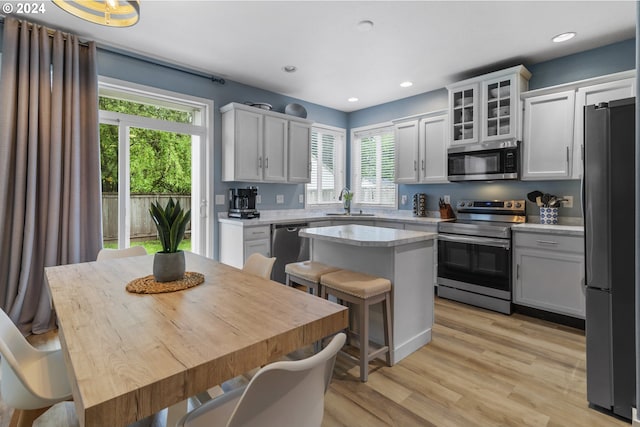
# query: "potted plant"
{"points": [[171, 222]]}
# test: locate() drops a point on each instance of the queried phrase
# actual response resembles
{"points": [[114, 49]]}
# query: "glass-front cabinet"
{"points": [[498, 117], [464, 102], [488, 107]]}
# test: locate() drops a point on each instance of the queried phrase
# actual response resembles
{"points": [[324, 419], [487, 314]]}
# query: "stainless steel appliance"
{"points": [[420, 204], [484, 162], [287, 246], [242, 203], [474, 253], [609, 191]]}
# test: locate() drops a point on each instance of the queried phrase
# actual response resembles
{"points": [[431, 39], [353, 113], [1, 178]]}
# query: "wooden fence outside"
{"points": [[142, 226]]}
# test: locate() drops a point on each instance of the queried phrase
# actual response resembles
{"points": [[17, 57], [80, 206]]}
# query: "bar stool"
{"points": [[307, 274], [363, 290]]}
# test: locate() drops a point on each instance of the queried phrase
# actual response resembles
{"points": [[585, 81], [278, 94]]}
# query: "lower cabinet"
{"points": [[549, 272], [237, 242]]}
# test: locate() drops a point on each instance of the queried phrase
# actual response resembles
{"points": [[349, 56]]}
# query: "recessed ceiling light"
{"points": [[406, 84], [289, 68], [353, 99], [563, 37], [365, 25]]}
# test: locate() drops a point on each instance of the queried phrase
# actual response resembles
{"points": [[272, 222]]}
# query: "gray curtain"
{"points": [[50, 204]]}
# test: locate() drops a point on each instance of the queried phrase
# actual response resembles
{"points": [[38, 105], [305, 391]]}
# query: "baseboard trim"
{"points": [[635, 421]]}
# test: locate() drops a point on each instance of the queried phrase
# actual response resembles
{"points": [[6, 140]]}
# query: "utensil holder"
{"points": [[549, 216]]}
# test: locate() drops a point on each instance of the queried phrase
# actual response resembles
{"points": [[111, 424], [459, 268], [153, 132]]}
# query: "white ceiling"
{"points": [[431, 43]]}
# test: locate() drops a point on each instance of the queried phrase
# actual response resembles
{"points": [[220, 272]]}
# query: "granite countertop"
{"points": [[566, 230], [303, 215], [364, 235]]}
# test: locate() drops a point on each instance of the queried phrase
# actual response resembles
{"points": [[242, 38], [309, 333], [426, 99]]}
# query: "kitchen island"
{"points": [[403, 256]]}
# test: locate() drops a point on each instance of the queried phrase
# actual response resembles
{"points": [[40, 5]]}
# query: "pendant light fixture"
{"points": [[112, 13]]}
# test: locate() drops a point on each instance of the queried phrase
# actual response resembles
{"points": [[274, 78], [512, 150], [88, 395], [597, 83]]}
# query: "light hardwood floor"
{"points": [[481, 369]]}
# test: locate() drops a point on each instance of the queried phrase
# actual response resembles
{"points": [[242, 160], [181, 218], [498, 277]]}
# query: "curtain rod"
{"points": [[160, 63], [131, 55]]}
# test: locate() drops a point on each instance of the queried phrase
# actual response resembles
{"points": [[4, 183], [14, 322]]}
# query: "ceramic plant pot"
{"points": [[549, 216], [168, 267]]}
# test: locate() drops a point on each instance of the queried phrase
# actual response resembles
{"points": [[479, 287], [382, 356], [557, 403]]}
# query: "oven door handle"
{"points": [[482, 241]]}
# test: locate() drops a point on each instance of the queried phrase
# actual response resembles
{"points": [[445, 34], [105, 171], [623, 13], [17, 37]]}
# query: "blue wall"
{"points": [[604, 60], [130, 69]]}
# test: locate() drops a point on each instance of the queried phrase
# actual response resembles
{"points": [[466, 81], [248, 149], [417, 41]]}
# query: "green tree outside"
{"points": [[160, 161]]}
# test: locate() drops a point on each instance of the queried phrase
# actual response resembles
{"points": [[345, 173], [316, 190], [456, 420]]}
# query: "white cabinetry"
{"points": [[548, 136], [463, 108], [553, 137], [595, 94], [406, 154], [299, 152], [263, 146], [421, 148], [549, 271], [276, 135], [238, 241], [434, 141], [488, 108]]}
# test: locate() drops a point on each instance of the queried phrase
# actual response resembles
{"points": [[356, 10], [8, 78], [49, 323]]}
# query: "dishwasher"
{"points": [[287, 246]]}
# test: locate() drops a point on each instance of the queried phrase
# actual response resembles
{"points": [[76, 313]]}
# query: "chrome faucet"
{"points": [[347, 195], [345, 190]]}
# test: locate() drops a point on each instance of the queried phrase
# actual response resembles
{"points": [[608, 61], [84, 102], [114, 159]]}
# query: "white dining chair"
{"points": [[105, 253], [281, 394], [32, 379], [259, 265]]}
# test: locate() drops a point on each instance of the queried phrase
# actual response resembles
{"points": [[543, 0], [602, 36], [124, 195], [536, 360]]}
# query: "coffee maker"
{"points": [[242, 203]]}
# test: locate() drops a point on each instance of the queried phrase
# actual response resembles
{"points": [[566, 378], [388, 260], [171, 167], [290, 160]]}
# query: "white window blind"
{"points": [[327, 165], [374, 167]]}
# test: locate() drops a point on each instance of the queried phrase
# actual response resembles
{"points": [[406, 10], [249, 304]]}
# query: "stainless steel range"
{"points": [[474, 253]]}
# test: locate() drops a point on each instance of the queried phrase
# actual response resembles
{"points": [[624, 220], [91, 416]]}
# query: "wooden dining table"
{"points": [[130, 355]]}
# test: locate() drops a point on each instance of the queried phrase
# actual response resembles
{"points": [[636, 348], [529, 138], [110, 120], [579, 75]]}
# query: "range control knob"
{"points": [[518, 205], [461, 204], [469, 204], [508, 204]]}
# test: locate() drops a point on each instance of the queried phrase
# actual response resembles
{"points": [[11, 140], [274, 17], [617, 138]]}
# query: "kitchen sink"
{"points": [[351, 214]]}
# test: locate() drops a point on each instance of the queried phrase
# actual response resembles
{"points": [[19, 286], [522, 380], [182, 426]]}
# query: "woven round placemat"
{"points": [[148, 284]]}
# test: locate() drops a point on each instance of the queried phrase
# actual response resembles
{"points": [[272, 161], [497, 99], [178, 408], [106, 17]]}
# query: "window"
{"points": [[373, 166], [327, 165], [153, 146]]}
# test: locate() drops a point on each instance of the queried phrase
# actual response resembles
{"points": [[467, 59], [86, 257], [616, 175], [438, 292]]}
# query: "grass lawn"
{"points": [[152, 246]]}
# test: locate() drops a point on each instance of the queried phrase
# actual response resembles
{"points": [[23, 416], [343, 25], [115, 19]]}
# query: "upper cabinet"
{"points": [[406, 154], [552, 144], [463, 108], [299, 152], [421, 148], [548, 136], [264, 146], [595, 94], [488, 108]]}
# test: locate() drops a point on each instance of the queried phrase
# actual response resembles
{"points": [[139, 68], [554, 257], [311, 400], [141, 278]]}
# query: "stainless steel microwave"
{"points": [[484, 162]]}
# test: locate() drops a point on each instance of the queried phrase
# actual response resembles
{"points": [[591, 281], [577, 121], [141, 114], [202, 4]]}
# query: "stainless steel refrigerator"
{"points": [[609, 197]]}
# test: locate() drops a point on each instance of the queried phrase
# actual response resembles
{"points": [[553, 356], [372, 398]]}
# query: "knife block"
{"points": [[447, 212]]}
